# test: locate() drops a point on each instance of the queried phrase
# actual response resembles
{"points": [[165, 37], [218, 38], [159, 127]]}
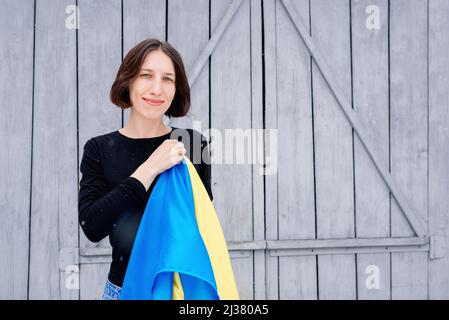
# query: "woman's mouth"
{"points": [[153, 102]]}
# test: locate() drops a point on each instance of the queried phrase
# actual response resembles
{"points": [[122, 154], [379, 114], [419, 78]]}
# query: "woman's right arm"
{"points": [[99, 208]]}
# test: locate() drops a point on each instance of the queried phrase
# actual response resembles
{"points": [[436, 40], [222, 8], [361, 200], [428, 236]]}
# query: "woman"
{"points": [[119, 169]]}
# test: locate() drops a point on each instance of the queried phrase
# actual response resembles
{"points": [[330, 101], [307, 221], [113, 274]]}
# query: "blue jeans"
{"points": [[111, 291]]}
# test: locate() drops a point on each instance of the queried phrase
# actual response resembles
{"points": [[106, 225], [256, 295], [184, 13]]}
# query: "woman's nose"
{"points": [[156, 88]]}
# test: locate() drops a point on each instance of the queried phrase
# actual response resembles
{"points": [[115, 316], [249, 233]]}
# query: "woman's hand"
{"points": [[169, 153]]}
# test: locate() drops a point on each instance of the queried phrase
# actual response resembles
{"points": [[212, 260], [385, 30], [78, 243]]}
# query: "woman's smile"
{"points": [[153, 102]]}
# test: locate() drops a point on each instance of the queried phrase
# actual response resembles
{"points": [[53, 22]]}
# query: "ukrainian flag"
{"points": [[180, 251]]}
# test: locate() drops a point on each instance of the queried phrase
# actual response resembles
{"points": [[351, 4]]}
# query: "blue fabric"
{"points": [[168, 240]]}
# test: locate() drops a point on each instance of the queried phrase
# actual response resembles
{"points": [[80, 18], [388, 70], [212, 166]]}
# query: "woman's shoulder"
{"points": [[192, 134], [106, 136], [97, 141]]}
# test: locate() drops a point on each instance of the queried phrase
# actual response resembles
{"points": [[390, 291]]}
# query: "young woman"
{"points": [[120, 168]]}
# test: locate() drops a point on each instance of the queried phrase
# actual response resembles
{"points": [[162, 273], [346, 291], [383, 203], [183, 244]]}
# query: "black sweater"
{"points": [[110, 202]]}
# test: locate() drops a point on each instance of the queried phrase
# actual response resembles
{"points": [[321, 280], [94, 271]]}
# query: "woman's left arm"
{"points": [[206, 168]]}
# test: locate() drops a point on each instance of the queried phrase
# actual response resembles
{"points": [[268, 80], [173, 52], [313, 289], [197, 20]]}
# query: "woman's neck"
{"points": [[147, 129]]}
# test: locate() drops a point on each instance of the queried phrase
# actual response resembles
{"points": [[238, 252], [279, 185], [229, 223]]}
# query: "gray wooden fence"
{"points": [[358, 90]]}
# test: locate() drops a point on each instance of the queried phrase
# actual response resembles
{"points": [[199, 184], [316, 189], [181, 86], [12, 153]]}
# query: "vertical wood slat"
{"points": [[16, 75], [408, 136], [137, 26], [195, 70], [257, 123], [297, 275], [54, 213], [271, 113], [370, 94], [438, 143], [188, 32], [231, 108], [333, 140], [99, 49]]}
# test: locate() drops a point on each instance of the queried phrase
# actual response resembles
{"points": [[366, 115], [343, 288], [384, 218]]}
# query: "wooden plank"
{"points": [[438, 142], [408, 136], [96, 260], [16, 73], [214, 39], [370, 95], [137, 26], [188, 32], [54, 216], [257, 123], [333, 149], [348, 250], [297, 276], [231, 109], [99, 49], [271, 185], [341, 243], [413, 218], [302, 283], [136, 23], [93, 280]]}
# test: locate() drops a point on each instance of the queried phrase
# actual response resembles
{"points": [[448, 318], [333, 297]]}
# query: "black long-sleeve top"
{"points": [[110, 202]]}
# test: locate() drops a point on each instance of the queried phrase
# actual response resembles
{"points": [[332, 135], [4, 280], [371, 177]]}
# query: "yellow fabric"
{"points": [[213, 238], [178, 293]]}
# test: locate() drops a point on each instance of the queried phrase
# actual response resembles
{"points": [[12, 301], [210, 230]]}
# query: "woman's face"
{"points": [[153, 89]]}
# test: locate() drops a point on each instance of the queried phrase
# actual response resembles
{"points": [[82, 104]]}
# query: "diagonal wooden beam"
{"points": [[415, 221], [212, 43]]}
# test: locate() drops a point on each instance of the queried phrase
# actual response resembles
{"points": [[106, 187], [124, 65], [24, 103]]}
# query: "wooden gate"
{"points": [[350, 99], [356, 88]]}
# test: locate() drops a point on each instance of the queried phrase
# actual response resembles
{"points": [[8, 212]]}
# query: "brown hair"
{"points": [[130, 68]]}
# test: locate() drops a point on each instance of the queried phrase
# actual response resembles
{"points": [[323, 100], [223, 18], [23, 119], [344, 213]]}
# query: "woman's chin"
{"points": [[152, 114]]}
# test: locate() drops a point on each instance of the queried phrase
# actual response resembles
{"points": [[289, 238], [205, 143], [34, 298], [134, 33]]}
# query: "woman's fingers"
{"points": [[176, 154]]}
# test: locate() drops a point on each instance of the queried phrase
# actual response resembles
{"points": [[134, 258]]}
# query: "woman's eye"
{"points": [[169, 79]]}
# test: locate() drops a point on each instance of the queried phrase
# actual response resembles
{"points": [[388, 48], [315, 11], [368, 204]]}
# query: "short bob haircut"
{"points": [[130, 68]]}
